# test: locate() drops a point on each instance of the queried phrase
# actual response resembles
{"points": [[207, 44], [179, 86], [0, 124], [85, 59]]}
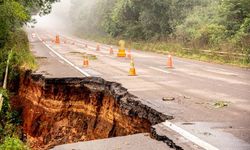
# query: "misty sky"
{"points": [[57, 19]]}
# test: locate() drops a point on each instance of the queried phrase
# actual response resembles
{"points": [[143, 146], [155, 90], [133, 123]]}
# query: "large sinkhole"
{"points": [[65, 110]]}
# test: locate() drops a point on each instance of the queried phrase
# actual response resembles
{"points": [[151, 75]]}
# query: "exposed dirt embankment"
{"points": [[57, 111]]}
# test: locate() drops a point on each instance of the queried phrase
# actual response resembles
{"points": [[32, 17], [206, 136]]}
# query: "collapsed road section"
{"points": [[65, 110]]}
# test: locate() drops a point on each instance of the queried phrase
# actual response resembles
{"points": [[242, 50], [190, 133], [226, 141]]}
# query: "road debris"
{"points": [[84, 54], [186, 97], [92, 57], [220, 104], [207, 134], [41, 57], [168, 98], [187, 123]]}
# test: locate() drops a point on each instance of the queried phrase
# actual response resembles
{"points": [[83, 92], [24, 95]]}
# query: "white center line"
{"points": [[161, 70], [190, 136]]}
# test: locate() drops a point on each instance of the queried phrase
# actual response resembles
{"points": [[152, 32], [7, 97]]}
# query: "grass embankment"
{"points": [[17, 46], [176, 49]]}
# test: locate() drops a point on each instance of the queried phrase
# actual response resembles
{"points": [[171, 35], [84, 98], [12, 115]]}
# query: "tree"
{"points": [[235, 12], [136, 19], [14, 14]]}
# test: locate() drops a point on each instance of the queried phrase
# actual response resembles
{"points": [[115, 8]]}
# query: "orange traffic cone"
{"points": [[111, 51], [85, 62], [57, 41], [97, 47], [170, 61], [129, 54], [132, 71]]}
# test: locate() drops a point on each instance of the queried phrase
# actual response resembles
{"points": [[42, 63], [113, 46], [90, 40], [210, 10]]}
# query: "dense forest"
{"points": [[14, 14], [221, 25]]}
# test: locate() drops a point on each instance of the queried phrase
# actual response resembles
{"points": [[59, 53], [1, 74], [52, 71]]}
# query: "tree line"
{"points": [[217, 24]]}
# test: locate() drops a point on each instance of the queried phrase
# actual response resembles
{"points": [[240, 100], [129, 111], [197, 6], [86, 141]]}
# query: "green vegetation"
{"points": [[13, 144], [186, 28], [14, 14], [10, 130], [20, 56], [220, 104]]}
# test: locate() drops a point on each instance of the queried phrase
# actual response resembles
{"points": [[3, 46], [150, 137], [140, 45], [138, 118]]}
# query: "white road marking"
{"points": [[52, 54], [214, 77], [189, 136], [221, 71], [67, 61], [161, 70]]}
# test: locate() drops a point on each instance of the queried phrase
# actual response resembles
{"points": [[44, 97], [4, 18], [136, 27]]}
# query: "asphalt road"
{"points": [[119, 143], [195, 86]]}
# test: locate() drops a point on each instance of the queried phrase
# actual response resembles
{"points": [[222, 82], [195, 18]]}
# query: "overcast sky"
{"points": [[58, 17]]}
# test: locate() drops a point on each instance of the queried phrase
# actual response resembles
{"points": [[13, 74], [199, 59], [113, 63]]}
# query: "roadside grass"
{"points": [[17, 49], [13, 143], [10, 129], [21, 57], [175, 49]]}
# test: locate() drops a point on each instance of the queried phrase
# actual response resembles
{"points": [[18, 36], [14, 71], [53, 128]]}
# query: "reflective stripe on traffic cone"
{"points": [[132, 71], [170, 61]]}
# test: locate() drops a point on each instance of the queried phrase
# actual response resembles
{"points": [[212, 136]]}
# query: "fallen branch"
{"points": [[7, 70]]}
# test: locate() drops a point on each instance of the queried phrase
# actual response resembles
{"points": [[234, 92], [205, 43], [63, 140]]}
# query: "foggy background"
{"points": [[58, 19], [77, 17]]}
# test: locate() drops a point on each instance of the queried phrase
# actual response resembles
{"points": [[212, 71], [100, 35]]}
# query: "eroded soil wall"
{"points": [[58, 111]]}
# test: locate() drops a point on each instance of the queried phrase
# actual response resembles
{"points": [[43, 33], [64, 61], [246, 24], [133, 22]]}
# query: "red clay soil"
{"points": [[65, 110]]}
